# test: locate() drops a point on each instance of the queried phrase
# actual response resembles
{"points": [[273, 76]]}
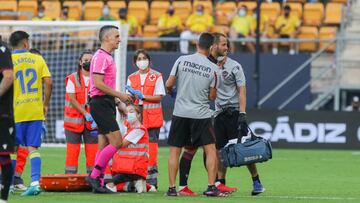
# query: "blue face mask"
{"points": [[131, 117]]}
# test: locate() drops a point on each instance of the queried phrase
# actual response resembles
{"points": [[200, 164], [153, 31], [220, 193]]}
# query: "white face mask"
{"points": [[106, 11], [199, 13], [41, 14], [131, 117], [242, 12], [143, 64], [269, 1]]}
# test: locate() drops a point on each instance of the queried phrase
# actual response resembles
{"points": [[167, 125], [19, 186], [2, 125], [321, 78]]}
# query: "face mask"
{"points": [[106, 11], [143, 64], [242, 12], [131, 117], [269, 1], [65, 13], [86, 65], [199, 13], [171, 12], [254, 15], [220, 58], [287, 14], [41, 14]]}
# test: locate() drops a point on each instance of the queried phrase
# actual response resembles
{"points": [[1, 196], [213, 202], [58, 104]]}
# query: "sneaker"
{"points": [[140, 185], [150, 188], [187, 192], [20, 187], [109, 189], [225, 189], [95, 184], [257, 188], [32, 191], [212, 191], [172, 192], [12, 190]]}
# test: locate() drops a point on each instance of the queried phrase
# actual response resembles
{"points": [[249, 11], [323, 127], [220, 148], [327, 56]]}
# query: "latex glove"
{"points": [[88, 117], [139, 94], [173, 92], [243, 126], [93, 125]]}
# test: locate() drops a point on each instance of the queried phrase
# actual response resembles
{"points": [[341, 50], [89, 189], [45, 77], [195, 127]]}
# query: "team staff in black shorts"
{"points": [[197, 81], [7, 125]]}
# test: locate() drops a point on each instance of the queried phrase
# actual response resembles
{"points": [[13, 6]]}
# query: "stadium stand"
{"points": [[222, 8], [182, 9], [272, 10], [151, 31], [208, 7], [157, 9], [333, 13], [313, 14], [251, 5], [27, 6], [75, 9], [296, 9], [308, 32], [327, 33], [140, 9], [8, 5], [115, 6], [93, 10], [52, 8]]}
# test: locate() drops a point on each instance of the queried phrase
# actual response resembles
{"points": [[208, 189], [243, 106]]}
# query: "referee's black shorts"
{"points": [[103, 110], [191, 132], [226, 127], [7, 135]]}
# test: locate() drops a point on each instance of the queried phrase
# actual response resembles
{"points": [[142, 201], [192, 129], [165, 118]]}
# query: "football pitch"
{"points": [[291, 176]]}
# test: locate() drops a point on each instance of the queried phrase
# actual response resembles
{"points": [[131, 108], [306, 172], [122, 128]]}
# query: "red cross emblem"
{"points": [[152, 77]]}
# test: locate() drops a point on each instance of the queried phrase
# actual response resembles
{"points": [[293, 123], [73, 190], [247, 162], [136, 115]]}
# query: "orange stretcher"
{"points": [[64, 182]]}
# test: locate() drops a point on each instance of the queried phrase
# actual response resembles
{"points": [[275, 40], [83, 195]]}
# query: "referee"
{"points": [[7, 126], [102, 104], [197, 81]]}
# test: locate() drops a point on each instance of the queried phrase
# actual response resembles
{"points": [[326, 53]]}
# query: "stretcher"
{"points": [[64, 182]]}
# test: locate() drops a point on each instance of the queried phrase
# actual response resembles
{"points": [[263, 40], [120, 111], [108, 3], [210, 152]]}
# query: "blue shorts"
{"points": [[29, 133]]}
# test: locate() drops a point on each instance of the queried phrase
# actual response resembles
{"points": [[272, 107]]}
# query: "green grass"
{"points": [[291, 176]]}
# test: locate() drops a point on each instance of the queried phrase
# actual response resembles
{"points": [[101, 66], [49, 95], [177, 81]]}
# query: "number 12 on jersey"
{"points": [[32, 75]]}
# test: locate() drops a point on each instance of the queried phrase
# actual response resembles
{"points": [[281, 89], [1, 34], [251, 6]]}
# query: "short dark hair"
{"points": [[104, 29], [18, 36], [206, 39], [217, 36], [287, 7], [65, 7], [141, 51], [35, 51]]}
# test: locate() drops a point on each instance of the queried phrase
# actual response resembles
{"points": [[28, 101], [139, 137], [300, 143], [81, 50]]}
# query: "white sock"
{"points": [[2, 201], [182, 187], [217, 183], [35, 183], [113, 189]]}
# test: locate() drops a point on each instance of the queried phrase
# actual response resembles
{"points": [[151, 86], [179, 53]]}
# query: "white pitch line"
{"points": [[308, 197]]}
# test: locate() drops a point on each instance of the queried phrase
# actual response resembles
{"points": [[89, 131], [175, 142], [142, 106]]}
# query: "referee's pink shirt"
{"points": [[102, 63]]}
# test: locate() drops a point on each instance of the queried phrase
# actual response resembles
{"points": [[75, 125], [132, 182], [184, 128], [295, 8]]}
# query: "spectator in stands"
{"points": [[264, 28], [355, 104], [241, 27], [41, 14], [286, 26], [131, 20], [64, 16], [197, 23], [169, 25], [106, 14]]}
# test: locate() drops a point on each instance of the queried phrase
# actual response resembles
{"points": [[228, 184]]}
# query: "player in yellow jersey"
{"points": [[30, 108]]}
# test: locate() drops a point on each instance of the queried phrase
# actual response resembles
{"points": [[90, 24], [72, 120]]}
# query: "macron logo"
{"points": [[3, 49]]}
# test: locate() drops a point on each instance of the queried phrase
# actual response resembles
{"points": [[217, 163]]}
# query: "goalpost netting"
{"points": [[61, 43]]}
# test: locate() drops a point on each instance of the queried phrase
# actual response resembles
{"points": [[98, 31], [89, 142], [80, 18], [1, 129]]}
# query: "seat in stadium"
{"points": [[75, 9], [115, 6], [251, 5], [327, 33], [8, 5], [52, 8], [139, 9], [272, 10], [313, 14], [222, 9], [157, 9], [151, 31], [296, 9], [308, 32], [208, 7], [29, 6], [340, 1], [220, 28], [183, 9], [298, 1], [93, 10], [333, 13]]}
